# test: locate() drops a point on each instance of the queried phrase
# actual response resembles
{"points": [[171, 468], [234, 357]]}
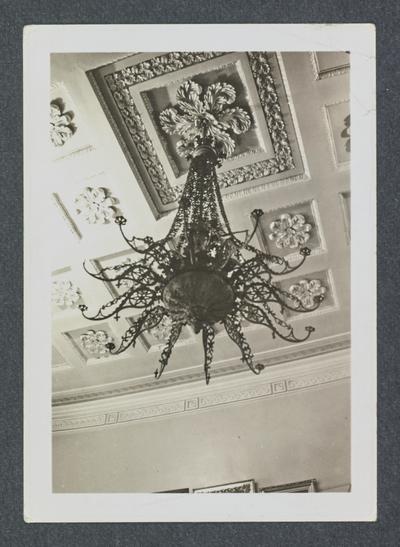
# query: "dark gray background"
{"points": [[14, 14]]}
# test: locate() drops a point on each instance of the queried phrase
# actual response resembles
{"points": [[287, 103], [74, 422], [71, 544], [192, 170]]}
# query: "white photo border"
{"points": [[40, 503]]}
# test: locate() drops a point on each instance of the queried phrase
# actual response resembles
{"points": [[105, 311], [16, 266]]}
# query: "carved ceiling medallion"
{"points": [[198, 111], [127, 95]]}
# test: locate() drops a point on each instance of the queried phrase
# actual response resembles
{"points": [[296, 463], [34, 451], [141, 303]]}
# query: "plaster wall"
{"points": [[275, 440]]}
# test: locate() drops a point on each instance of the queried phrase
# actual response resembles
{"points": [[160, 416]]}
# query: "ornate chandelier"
{"points": [[200, 274]]}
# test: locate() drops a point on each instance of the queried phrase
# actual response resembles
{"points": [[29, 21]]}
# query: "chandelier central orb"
{"points": [[200, 274], [197, 297]]}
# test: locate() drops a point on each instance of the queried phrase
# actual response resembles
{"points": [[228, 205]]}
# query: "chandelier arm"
{"points": [[251, 312], [208, 345], [123, 298], [166, 352], [255, 314], [149, 273], [148, 320], [127, 240], [301, 308], [125, 270], [275, 296], [257, 291], [305, 251], [120, 303], [261, 265], [234, 330], [253, 232], [256, 214], [153, 252], [142, 300], [255, 266], [151, 244], [292, 337], [98, 275], [143, 279], [270, 297]]}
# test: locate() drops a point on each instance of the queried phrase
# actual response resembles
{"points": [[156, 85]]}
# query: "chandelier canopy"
{"points": [[200, 274]]}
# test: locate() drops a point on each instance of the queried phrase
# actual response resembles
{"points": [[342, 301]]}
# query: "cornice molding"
{"points": [[149, 385], [284, 380], [329, 73]]}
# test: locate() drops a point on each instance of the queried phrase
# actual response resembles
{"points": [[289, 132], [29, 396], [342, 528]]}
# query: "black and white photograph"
{"points": [[199, 260]]}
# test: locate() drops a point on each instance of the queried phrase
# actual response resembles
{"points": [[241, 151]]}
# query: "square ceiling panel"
{"points": [[135, 90], [338, 117], [283, 232]]}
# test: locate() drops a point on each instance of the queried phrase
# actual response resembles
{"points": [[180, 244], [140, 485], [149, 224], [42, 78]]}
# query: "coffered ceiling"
{"points": [[110, 157]]}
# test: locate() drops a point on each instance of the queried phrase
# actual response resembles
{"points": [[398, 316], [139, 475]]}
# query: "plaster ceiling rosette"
{"points": [[136, 89]]}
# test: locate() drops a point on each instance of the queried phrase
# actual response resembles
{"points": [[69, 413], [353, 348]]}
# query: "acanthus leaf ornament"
{"points": [[202, 113], [200, 273]]}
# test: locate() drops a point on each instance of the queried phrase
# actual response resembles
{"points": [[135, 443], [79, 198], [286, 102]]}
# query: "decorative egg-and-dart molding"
{"points": [[61, 126], [65, 294], [95, 342], [96, 205], [290, 231], [308, 292]]}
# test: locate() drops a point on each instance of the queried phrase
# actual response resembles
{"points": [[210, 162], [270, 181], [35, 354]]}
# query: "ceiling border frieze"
{"points": [[291, 378]]}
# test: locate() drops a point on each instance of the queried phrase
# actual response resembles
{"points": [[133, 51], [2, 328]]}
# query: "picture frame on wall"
{"points": [[243, 487], [303, 487]]}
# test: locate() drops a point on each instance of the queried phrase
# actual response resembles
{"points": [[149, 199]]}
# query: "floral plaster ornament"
{"points": [[95, 205], [199, 112], [290, 231], [65, 294], [61, 128], [308, 292], [95, 342]]}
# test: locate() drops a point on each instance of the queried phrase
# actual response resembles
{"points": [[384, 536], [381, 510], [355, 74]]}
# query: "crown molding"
{"points": [[288, 378], [191, 375]]}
